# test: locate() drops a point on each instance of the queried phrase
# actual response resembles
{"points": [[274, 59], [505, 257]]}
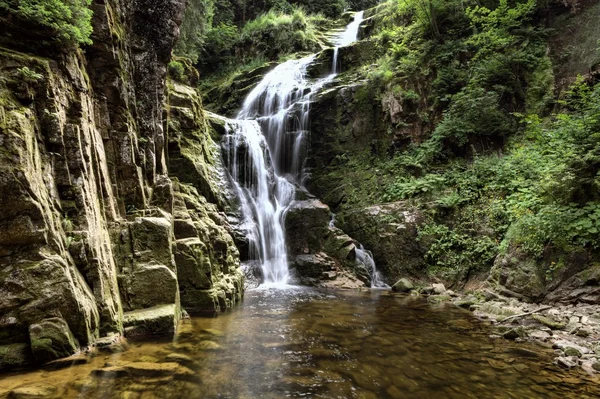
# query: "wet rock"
{"points": [[33, 392], [182, 359], [403, 285], [571, 352], [209, 346], [539, 335], [583, 332], [112, 344], [515, 333], [567, 362], [214, 332], [52, 339], [438, 298], [110, 372], [15, 356], [156, 321], [389, 231], [70, 361], [157, 370]]}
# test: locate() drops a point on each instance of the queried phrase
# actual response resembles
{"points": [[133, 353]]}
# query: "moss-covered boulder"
{"points": [[52, 339]]}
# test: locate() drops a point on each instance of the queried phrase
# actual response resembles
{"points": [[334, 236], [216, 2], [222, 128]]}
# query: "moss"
{"points": [[554, 325]]}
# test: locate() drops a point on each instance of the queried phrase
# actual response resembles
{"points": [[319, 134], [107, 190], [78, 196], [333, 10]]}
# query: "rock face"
{"points": [[390, 231], [319, 253], [111, 202]]}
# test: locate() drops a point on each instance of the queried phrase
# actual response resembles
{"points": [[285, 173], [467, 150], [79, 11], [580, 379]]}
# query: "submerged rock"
{"points": [[34, 391]]}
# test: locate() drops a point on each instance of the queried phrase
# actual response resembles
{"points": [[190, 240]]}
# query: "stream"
{"points": [[303, 342]]}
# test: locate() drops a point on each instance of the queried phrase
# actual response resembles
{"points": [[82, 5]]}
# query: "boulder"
{"points": [[403, 285], [390, 232], [52, 339], [151, 240], [156, 321], [152, 285], [35, 391], [15, 356], [439, 289]]}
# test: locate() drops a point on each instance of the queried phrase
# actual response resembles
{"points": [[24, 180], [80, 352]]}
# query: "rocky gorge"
{"points": [[137, 195]]}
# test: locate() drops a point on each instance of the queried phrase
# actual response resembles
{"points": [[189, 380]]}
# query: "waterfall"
{"points": [[349, 36], [366, 258], [265, 151]]}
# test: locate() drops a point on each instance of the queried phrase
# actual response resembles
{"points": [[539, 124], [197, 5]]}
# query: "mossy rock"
{"points": [[52, 339], [554, 325]]}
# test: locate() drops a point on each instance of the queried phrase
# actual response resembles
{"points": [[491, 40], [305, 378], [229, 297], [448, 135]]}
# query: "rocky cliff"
{"points": [[111, 218]]}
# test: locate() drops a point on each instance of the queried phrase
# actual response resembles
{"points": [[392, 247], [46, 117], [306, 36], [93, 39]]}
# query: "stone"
{"points": [[209, 346], [439, 289], [403, 285], [466, 303], [571, 352], [583, 332], [66, 362], [438, 298], [34, 391], [539, 335], [151, 240], [182, 359], [110, 372], [554, 325], [112, 344], [157, 370], [567, 362], [15, 356], [152, 285], [156, 321], [514, 333], [52, 339]]}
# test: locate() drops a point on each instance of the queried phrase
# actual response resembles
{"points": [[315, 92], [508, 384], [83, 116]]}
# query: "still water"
{"points": [[319, 344]]}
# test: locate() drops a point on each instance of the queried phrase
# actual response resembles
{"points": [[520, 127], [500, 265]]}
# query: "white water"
{"points": [[366, 258], [349, 36], [265, 152]]}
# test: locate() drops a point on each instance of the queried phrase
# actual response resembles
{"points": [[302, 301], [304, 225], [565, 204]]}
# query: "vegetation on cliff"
{"points": [[69, 21], [484, 140]]}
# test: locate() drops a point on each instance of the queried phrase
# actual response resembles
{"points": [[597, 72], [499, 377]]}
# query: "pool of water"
{"points": [[309, 343]]}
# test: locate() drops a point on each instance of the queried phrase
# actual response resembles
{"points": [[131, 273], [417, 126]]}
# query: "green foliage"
{"points": [[176, 70], [29, 75], [196, 23], [413, 187], [70, 20], [276, 33], [453, 252]]}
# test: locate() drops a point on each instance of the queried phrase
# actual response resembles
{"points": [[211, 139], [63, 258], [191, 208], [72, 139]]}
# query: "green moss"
{"points": [[554, 325]]}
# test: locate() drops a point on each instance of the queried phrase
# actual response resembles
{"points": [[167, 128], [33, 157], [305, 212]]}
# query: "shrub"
{"points": [[70, 20], [29, 75]]}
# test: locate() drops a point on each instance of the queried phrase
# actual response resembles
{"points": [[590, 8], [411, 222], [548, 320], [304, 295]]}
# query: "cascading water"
{"points": [[265, 151], [349, 36], [366, 258]]}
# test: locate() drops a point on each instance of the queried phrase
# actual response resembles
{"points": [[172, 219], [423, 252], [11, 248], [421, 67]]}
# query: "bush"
{"points": [[276, 33], [70, 20]]}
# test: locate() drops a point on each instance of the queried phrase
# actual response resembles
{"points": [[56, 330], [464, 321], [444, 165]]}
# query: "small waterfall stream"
{"points": [[265, 151], [349, 36]]}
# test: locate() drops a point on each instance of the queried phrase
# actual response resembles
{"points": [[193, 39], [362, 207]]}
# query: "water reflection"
{"points": [[321, 344]]}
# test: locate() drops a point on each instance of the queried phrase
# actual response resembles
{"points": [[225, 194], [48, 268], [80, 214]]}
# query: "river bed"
{"points": [[302, 342]]}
